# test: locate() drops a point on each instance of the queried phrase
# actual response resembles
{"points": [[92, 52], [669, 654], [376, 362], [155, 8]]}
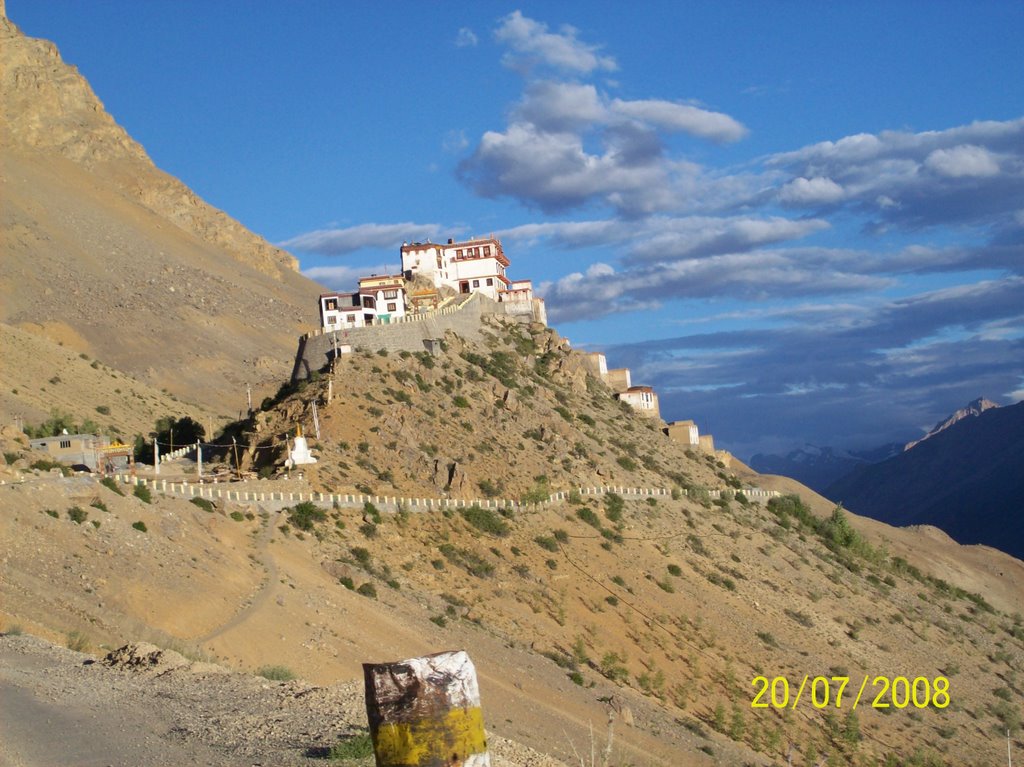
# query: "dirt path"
{"points": [[261, 597]]}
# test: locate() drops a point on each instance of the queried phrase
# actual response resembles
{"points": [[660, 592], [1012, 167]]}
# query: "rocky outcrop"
{"points": [[46, 106]]}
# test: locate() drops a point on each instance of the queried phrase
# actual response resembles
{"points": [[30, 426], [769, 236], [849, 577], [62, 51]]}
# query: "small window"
{"points": [[487, 250], [65, 443], [490, 281], [458, 253], [392, 307], [331, 320]]}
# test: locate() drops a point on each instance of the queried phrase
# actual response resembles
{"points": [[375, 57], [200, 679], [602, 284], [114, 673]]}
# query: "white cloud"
{"points": [[466, 38], [554, 106], [811, 191], [338, 242], [683, 118], [961, 161], [531, 43]]}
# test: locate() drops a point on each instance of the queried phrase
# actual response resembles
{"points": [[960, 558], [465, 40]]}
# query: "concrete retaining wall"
{"points": [[316, 349]]}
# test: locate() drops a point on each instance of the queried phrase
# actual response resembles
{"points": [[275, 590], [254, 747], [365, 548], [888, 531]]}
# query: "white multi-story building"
{"points": [[342, 310], [643, 399], [472, 266], [383, 296]]}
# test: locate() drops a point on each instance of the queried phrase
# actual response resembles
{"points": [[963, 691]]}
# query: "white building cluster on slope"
{"points": [[430, 274]]}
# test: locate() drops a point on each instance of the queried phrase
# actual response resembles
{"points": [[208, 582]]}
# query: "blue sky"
{"points": [[801, 221]]}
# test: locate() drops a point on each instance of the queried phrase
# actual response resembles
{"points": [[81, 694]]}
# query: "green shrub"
{"points": [[305, 515], [587, 515], [237, 516], [561, 536], [77, 514], [367, 590], [675, 570], [357, 747], [52, 513], [626, 463], [143, 494], [460, 401], [103, 409], [10, 458], [485, 520], [140, 526], [98, 504], [614, 506], [276, 673], [347, 583], [546, 543], [202, 503]]}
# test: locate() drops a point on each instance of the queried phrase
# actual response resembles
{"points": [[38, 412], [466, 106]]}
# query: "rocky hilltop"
{"points": [[975, 408], [109, 256]]}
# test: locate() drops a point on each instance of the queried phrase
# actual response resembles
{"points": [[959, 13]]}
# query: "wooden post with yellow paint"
{"points": [[425, 712]]}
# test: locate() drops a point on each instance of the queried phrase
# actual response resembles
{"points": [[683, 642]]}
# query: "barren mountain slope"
{"points": [[107, 254], [669, 607]]}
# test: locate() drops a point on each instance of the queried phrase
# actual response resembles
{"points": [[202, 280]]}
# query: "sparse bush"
{"points": [[76, 641], [305, 515], [238, 516], [367, 590], [626, 463], [485, 520], [276, 673], [77, 514], [98, 504], [546, 542], [202, 503], [143, 494], [140, 526], [614, 506], [358, 747], [675, 570], [587, 515]]}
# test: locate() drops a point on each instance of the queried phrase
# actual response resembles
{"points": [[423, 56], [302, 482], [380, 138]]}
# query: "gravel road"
{"points": [[146, 707]]}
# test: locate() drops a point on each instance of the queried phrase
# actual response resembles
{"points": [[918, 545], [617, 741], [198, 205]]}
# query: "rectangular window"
{"points": [[392, 307], [390, 294], [487, 250], [490, 281], [65, 443], [476, 283], [458, 253], [331, 320]]}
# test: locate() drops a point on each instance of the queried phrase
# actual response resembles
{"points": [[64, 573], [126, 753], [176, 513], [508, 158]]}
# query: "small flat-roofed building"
{"points": [[642, 399], [597, 364], [619, 379], [383, 296], [684, 432], [73, 449], [341, 310], [707, 444]]}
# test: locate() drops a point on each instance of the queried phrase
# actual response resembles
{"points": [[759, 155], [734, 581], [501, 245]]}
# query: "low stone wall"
{"points": [[276, 500]]}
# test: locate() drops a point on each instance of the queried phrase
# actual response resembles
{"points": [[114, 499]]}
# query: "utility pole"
{"points": [[199, 459], [238, 468], [248, 397], [156, 456]]}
